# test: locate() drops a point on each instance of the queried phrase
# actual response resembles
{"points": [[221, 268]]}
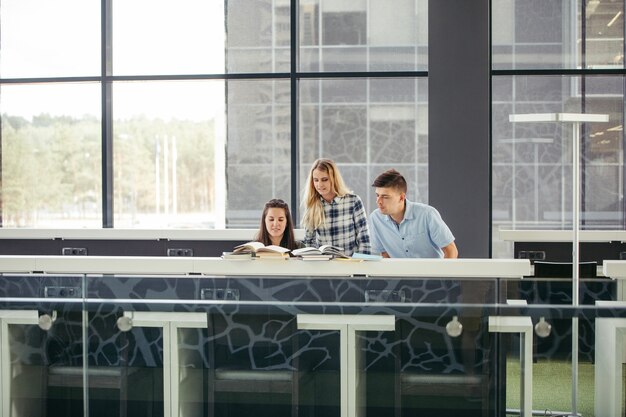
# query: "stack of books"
{"points": [[260, 251], [237, 256], [323, 253]]}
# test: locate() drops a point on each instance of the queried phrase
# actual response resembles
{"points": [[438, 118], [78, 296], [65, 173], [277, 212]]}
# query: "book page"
{"points": [[333, 250], [330, 248], [251, 246], [306, 251], [273, 248]]}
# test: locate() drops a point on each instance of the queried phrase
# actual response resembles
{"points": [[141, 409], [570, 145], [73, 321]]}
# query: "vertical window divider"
{"points": [[107, 110], [623, 119], [293, 77]]}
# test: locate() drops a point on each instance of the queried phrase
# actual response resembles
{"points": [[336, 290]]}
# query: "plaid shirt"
{"points": [[345, 226]]}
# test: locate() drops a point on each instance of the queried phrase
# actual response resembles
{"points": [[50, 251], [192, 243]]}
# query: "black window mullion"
{"points": [[623, 119], [293, 76], [107, 110]]}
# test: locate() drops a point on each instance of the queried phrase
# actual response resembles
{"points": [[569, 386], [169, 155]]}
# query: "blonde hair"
{"points": [[313, 209]]}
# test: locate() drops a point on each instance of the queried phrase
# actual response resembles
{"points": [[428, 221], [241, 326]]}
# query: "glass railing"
{"points": [[200, 345]]}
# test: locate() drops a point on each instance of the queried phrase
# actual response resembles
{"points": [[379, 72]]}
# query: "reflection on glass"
{"points": [[168, 154], [532, 162], [158, 37], [51, 164], [532, 34], [258, 148], [604, 40], [45, 39], [259, 35], [366, 126], [355, 36]]}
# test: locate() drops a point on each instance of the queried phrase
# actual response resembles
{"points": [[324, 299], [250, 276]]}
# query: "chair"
{"points": [[451, 371], [99, 377], [252, 353], [443, 382], [545, 269], [64, 368]]}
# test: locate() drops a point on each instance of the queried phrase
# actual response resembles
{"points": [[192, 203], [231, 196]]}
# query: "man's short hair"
{"points": [[391, 179]]}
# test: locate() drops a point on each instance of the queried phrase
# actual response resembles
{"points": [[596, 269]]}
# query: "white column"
{"points": [[170, 322], [7, 318], [523, 326], [608, 366], [348, 325]]}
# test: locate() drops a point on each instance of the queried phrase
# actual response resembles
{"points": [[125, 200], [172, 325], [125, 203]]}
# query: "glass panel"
{"points": [[252, 354], [168, 154], [154, 47], [259, 35], [367, 126], [41, 345], [355, 36], [540, 34], [51, 163], [230, 345], [604, 29], [603, 154], [537, 34], [258, 149], [532, 161], [45, 39], [552, 364]]}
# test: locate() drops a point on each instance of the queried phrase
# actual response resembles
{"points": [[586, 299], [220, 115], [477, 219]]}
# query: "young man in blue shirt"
{"points": [[403, 229]]}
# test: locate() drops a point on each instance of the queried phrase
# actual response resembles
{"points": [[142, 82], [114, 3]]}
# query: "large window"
{"points": [[167, 136], [368, 126], [552, 57], [51, 164], [163, 114]]}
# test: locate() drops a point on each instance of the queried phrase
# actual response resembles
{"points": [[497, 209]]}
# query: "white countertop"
{"points": [[452, 268], [614, 269], [562, 235]]}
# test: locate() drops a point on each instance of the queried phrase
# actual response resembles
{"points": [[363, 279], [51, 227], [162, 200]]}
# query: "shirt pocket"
{"points": [[416, 241]]}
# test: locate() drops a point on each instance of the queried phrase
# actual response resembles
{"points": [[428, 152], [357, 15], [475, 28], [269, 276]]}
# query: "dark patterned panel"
{"points": [[258, 331], [559, 343]]}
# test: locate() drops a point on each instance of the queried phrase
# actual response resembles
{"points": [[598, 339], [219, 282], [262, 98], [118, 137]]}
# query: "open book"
{"points": [[261, 250], [322, 250]]}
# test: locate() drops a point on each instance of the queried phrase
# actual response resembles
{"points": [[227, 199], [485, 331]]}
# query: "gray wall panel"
{"points": [[459, 115]]}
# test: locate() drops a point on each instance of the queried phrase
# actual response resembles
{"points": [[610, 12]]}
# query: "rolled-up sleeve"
{"points": [[310, 240]]}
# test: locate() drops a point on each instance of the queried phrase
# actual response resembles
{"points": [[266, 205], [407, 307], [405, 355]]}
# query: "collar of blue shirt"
{"points": [[408, 213]]}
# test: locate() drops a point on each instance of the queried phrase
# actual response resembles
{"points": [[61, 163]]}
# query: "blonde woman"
{"points": [[332, 214]]}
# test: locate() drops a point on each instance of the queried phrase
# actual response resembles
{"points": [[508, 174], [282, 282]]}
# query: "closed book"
{"points": [[236, 256], [320, 257], [271, 255]]}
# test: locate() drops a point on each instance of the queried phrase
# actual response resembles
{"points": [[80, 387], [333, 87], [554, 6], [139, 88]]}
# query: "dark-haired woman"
{"points": [[276, 226]]}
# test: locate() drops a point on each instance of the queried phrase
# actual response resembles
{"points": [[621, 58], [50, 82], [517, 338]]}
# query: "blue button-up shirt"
{"points": [[421, 234]]}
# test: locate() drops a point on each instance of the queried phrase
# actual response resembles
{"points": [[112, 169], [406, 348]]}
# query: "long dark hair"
{"points": [[288, 241]]}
